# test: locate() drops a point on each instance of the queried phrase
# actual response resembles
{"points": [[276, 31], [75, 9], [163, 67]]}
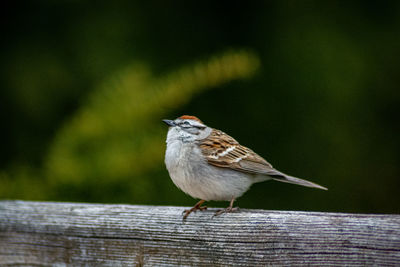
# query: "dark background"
{"points": [[84, 86]]}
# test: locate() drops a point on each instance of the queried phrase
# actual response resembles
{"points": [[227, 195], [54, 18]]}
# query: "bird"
{"points": [[208, 164]]}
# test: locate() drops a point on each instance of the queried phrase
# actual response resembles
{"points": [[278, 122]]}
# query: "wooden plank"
{"points": [[47, 233]]}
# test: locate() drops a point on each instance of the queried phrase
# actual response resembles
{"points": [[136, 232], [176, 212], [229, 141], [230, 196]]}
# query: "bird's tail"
{"points": [[281, 177]]}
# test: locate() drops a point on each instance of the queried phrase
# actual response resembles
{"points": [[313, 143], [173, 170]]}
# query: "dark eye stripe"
{"points": [[187, 124]]}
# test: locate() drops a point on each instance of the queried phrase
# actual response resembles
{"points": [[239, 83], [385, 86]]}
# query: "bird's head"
{"points": [[187, 129]]}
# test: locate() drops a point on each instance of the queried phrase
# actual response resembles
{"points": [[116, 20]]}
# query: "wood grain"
{"points": [[48, 234]]}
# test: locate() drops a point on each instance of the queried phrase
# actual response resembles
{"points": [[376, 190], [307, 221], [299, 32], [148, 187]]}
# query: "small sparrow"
{"points": [[208, 164]]}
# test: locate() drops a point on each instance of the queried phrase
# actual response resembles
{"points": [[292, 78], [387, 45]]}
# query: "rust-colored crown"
{"points": [[187, 117]]}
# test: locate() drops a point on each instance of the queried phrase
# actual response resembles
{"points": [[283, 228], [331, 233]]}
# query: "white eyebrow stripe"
{"points": [[195, 123]]}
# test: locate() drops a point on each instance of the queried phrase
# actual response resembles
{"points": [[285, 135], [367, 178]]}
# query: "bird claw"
{"points": [[194, 209], [227, 210]]}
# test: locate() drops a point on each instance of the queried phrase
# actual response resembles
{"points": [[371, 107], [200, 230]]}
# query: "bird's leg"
{"points": [[195, 208], [230, 208]]}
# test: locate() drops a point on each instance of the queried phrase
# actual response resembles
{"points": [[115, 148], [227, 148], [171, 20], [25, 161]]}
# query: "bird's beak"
{"points": [[169, 122]]}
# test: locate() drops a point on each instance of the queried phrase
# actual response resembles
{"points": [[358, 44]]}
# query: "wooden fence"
{"points": [[63, 234]]}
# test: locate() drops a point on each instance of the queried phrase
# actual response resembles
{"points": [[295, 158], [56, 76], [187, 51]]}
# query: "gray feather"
{"points": [[281, 177]]}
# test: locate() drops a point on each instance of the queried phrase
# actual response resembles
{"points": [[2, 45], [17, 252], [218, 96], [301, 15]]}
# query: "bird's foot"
{"points": [[227, 210], [194, 209]]}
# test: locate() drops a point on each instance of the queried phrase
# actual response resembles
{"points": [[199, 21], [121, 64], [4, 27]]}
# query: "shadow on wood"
{"points": [[47, 233]]}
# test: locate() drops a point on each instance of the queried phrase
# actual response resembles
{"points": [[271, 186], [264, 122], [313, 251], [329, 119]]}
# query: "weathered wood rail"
{"points": [[48, 234]]}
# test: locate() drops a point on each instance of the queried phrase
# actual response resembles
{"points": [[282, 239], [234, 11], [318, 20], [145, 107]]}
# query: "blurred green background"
{"points": [[313, 86]]}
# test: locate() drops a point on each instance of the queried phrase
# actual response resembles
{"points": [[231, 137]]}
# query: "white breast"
{"points": [[193, 175]]}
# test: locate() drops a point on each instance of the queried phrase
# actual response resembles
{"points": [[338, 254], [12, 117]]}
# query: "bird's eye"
{"points": [[185, 124]]}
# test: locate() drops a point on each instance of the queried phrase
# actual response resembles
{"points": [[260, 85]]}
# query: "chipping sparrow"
{"points": [[208, 164]]}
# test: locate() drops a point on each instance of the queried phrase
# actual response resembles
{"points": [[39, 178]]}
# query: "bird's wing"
{"points": [[223, 151]]}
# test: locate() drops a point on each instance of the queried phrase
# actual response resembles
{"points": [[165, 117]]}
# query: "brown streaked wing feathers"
{"points": [[238, 158]]}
